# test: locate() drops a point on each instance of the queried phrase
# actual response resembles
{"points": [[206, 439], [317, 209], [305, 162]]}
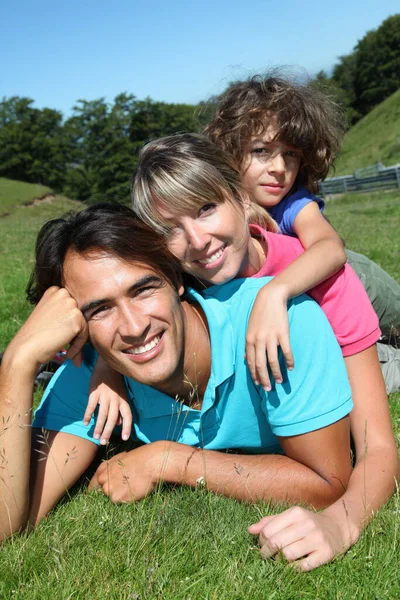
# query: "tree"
{"points": [[107, 138], [377, 65], [32, 145], [151, 119]]}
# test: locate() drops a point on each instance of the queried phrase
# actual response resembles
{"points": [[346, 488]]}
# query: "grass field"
{"points": [[375, 138], [18, 193], [17, 238], [181, 543]]}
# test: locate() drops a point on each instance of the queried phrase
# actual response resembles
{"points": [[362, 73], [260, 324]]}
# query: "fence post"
{"points": [[398, 176]]}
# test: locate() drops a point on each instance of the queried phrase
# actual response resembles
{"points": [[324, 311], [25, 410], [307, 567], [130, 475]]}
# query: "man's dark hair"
{"points": [[110, 228]]}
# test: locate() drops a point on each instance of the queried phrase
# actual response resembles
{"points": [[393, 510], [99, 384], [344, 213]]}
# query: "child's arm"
{"points": [[268, 324], [107, 389]]}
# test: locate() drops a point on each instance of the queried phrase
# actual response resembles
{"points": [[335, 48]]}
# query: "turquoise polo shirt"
{"points": [[236, 414]]}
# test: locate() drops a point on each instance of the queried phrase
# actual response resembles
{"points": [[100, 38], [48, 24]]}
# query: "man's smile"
{"points": [[145, 351]]}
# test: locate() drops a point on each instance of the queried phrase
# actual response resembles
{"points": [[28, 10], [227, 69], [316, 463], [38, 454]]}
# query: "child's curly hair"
{"points": [[305, 118]]}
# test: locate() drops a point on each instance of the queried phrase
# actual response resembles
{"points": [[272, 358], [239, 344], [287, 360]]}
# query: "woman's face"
{"points": [[212, 241]]}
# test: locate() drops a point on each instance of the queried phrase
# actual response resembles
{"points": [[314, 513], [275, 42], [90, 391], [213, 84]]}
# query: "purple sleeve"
{"points": [[289, 207]]}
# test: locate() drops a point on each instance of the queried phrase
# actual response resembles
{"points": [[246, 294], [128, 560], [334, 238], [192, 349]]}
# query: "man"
{"points": [[102, 275]]}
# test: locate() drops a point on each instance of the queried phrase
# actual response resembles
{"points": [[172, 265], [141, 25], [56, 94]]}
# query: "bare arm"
{"points": [[55, 322], [268, 325], [315, 470], [107, 389], [313, 539], [324, 252], [58, 460], [377, 463]]}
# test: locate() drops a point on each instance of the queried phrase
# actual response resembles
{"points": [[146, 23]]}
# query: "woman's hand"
{"points": [[305, 538], [268, 330], [107, 389]]}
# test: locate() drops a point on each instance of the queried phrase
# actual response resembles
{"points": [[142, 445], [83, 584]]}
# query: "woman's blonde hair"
{"points": [[186, 171]]}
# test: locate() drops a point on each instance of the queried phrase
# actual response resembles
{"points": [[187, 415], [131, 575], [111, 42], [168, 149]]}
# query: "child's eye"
{"points": [[258, 151], [207, 208], [292, 153]]}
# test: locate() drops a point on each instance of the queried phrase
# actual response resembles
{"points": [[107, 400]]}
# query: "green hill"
{"points": [[376, 138], [18, 193], [20, 220]]}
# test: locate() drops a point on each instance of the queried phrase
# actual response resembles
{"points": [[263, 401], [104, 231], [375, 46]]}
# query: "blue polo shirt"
{"points": [[235, 414]]}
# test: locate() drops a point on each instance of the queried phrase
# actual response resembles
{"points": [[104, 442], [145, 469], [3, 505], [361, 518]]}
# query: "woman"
{"points": [[188, 189]]}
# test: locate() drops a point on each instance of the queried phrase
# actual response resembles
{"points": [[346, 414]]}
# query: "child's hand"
{"points": [[268, 328], [107, 389]]}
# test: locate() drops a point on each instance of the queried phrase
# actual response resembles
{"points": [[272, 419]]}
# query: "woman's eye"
{"points": [[207, 208]]}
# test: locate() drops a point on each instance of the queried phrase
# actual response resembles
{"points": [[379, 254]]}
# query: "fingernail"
{"points": [[125, 437], [267, 388], [103, 442], [278, 380]]}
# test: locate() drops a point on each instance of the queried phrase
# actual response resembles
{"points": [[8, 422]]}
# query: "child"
{"points": [[261, 120], [186, 181], [190, 191]]}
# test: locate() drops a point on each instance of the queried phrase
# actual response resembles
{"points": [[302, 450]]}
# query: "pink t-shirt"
{"points": [[342, 297]]}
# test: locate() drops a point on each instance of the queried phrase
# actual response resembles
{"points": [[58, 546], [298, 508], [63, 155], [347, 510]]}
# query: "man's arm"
{"points": [[315, 469], [55, 322]]}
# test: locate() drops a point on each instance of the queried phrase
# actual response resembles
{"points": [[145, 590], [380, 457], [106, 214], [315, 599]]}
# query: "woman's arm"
{"points": [[313, 539], [377, 463]]}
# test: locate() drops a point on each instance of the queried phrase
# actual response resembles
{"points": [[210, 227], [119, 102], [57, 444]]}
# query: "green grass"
{"points": [[17, 239], [17, 193], [181, 543], [370, 224], [375, 138]]}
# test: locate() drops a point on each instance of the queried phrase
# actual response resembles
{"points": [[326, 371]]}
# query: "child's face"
{"points": [[210, 241], [270, 168]]}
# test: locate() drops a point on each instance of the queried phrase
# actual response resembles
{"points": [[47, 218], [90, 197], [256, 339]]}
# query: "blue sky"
{"points": [[176, 51]]}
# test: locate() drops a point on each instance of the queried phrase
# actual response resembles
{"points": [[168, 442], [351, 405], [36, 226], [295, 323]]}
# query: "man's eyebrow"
{"points": [[142, 282]]}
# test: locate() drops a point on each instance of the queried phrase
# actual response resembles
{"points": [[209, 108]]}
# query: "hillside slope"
{"points": [[18, 193], [376, 138], [20, 221]]}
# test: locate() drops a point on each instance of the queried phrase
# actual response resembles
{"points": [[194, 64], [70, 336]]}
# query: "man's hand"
{"points": [[303, 537], [130, 476], [55, 322]]}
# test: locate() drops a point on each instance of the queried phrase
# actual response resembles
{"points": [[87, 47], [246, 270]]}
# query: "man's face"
{"points": [[135, 318]]}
